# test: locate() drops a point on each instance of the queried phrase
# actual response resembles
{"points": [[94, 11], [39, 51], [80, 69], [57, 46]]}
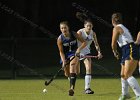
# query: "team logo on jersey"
{"points": [[88, 38], [70, 43]]}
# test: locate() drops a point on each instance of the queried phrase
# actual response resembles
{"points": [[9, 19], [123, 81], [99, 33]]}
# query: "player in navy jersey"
{"points": [[68, 48], [129, 59]]}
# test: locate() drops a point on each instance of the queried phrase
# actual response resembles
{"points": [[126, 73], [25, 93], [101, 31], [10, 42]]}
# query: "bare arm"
{"points": [[115, 36], [96, 43], [83, 45], [60, 47], [138, 39]]}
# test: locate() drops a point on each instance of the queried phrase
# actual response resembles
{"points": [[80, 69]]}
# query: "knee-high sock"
{"points": [[125, 86], [134, 85], [72, 80], [87, 81]]}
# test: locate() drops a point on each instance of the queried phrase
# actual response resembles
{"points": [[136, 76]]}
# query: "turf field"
{"points": [[105, 89]]}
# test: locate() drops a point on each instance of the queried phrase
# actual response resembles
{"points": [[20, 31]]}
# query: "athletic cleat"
{"points": [[71, 92], [138, 98], [89, 91], [125, 97]]}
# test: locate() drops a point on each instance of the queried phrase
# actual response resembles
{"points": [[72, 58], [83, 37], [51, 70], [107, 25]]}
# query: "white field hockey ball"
{"points": [[44, 90]]}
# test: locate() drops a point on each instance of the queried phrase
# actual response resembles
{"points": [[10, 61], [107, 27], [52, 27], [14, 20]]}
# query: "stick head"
{"points": [[46, 83]]}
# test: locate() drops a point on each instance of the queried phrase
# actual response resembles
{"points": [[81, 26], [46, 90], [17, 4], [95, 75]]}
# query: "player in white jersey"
{"points": [[129, 57], [88, 35], [138, 43]]}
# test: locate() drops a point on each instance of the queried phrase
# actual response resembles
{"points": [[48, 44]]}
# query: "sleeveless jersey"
{"points": [[125, 37], [88, 39], [69, 44]]}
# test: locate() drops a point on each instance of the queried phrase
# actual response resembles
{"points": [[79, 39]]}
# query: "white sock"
{"points": [[134, 85], [87, 81], [139, 70], [69, 79], [125, 86]]}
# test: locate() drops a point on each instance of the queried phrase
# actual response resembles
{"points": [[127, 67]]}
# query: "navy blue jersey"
{"points": [[69, 44]]}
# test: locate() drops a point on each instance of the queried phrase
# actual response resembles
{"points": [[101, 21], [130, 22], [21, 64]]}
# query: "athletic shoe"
{"points": [[124, 97], [71, 92], [89, 91], [138, 98]]}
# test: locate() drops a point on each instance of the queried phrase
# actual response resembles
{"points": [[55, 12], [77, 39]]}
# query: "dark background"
{"points": [[33, 47]]}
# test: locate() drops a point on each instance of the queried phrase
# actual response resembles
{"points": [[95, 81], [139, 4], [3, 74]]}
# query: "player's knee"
{"points": [[126, 76], [73, 64], [123, 76], [88, 70], [67, 74], [129, 76], [73, 68]]}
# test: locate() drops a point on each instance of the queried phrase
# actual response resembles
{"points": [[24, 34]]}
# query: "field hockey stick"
{"points": [[55, 75], [87, 56]]}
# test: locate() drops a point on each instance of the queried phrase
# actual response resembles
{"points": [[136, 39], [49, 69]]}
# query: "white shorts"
{"points": [[84, 52]]}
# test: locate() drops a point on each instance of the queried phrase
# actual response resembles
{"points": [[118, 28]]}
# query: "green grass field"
{"points": [[105, 89]]}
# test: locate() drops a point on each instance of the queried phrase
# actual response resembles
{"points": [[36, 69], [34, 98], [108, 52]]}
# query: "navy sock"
{"points": [[72, 80]]}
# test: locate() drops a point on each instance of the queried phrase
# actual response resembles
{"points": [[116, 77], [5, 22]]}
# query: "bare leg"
{"points": [[87, 63]]}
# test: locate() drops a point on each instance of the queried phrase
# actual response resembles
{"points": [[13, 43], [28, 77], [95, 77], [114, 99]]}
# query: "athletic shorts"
{"points": [[129, 52], [68, 55], [139, 50], [85, 51]]}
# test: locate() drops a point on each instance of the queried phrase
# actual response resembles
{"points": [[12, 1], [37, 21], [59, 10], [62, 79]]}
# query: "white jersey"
{"points": [[88, 39], [125, 37]]}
